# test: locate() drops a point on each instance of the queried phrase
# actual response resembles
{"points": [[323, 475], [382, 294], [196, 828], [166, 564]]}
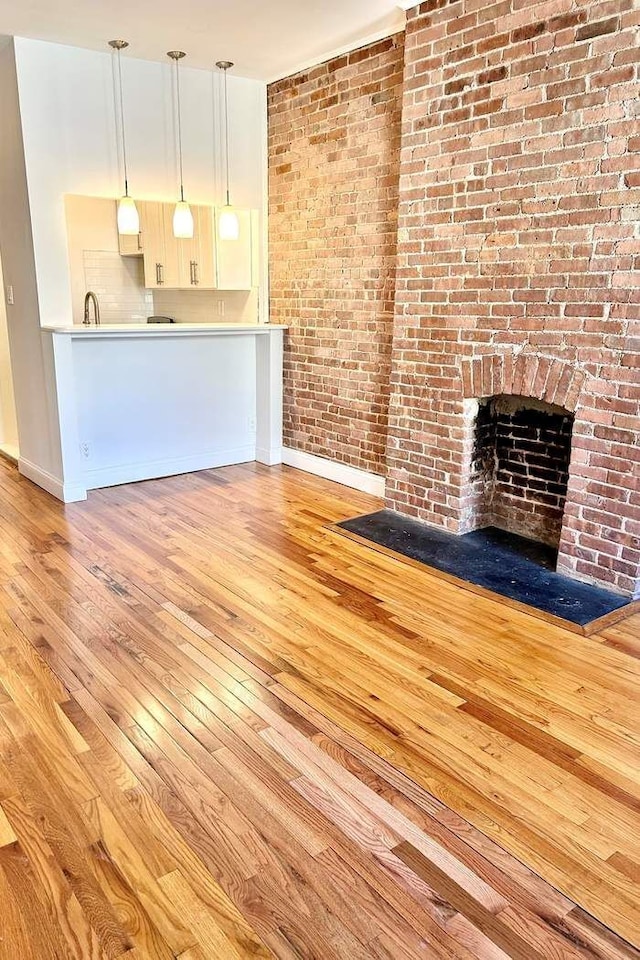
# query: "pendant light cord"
{"points": [[226, 132], [179, 130], [124, 140]]}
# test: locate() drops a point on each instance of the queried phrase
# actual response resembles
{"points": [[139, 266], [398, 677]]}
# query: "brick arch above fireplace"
{"points": [[549, 379]]}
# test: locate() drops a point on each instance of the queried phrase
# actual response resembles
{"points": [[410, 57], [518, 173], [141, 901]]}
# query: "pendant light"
{"points": [[182, 216], [228, 223], [128, 218]]}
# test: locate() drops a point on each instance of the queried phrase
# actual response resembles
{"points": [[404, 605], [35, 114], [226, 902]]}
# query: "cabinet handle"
{"points": [[195, 280], [140, 240], [159, 274]]}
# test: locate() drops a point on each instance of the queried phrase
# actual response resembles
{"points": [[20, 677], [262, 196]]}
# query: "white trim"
{"points": [[9, 452], [113, 476], [264, 299], [149, 331], [67, 492], [269, 361], [270, 456], [362, 480]]}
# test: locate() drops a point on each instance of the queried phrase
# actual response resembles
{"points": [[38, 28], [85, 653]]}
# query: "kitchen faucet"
{"points": [[91, 298]]}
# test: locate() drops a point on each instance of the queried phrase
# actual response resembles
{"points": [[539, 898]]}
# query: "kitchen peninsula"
{"points": [[139, 401]]}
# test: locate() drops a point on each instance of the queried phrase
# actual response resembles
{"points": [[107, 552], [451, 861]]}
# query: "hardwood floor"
{"points": [[228, 732]]}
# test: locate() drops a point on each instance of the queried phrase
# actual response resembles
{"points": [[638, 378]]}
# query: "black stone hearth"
{"points": [[511, 566]]}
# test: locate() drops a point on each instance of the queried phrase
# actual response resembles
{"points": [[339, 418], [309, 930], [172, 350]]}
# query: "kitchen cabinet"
{"points": [[204, 262], [197, 256], [131, 244], [207, 272], [234, 258], [160, 251]]}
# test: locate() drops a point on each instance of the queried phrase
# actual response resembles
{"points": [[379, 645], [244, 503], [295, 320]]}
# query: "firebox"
{"points": [[520, 467]]}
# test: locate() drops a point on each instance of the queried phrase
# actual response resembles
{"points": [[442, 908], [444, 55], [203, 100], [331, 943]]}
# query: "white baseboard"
{"points": [[269, 455], [362, 480], [9, 452], [113, 476], [67, 492]]}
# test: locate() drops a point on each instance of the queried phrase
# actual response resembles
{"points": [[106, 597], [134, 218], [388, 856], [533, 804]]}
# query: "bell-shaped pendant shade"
{"points": [[128, 217], [228, 224], [182, 221]]}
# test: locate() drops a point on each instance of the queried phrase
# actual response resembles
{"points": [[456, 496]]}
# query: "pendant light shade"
{"points": [[228, 223], [182, 221], [182, 216], [128, 218]]}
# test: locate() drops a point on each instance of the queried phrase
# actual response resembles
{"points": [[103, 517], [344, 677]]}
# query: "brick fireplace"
{"points": [[518, 260], [516, 269], [520, 467]]}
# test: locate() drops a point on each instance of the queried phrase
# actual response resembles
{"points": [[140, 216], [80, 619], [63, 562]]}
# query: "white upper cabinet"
{"points": [[198, 267], [205, 262], [130, 245], [234, 258], [160, 251]]}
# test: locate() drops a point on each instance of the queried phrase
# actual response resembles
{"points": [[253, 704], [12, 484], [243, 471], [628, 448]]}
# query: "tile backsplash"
{"points": [[118, 282], [207, 306]]}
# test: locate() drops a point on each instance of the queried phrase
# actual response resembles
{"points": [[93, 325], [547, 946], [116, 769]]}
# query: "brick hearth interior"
{"points": [[520, 467], [454, 217]]}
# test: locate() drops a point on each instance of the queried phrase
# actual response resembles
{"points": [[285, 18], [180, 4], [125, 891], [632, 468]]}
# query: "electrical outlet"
{"points": [[10, 300], [253, 426], [85, 450], [221, 308]]}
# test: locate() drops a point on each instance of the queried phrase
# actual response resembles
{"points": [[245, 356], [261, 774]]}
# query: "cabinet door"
{"points": [[255, 248], [234, 257], [153, 253], [188, 258], [160, 252], [171, 272], [205, 254], [197, 264], [130, 245]]}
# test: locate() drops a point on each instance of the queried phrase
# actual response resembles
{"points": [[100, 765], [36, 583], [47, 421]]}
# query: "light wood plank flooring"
{"points": [[228, 732]]}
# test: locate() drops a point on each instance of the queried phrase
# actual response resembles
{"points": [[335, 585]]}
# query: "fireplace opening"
{"points": [[520, 467]]}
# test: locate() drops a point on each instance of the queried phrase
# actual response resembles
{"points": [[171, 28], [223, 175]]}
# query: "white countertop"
{"points": [[162, 329]]}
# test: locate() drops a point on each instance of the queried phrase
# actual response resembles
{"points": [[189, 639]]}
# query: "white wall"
{"points": [[34, 390], [69, 130], [8, 423]]}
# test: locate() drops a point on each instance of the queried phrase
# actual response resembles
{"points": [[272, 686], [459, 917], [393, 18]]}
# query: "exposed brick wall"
{"points": [[518, 256], [334, 144]]}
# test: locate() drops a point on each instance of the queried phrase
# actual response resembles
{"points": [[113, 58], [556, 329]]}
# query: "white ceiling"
{"points": [[266, 39]]}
